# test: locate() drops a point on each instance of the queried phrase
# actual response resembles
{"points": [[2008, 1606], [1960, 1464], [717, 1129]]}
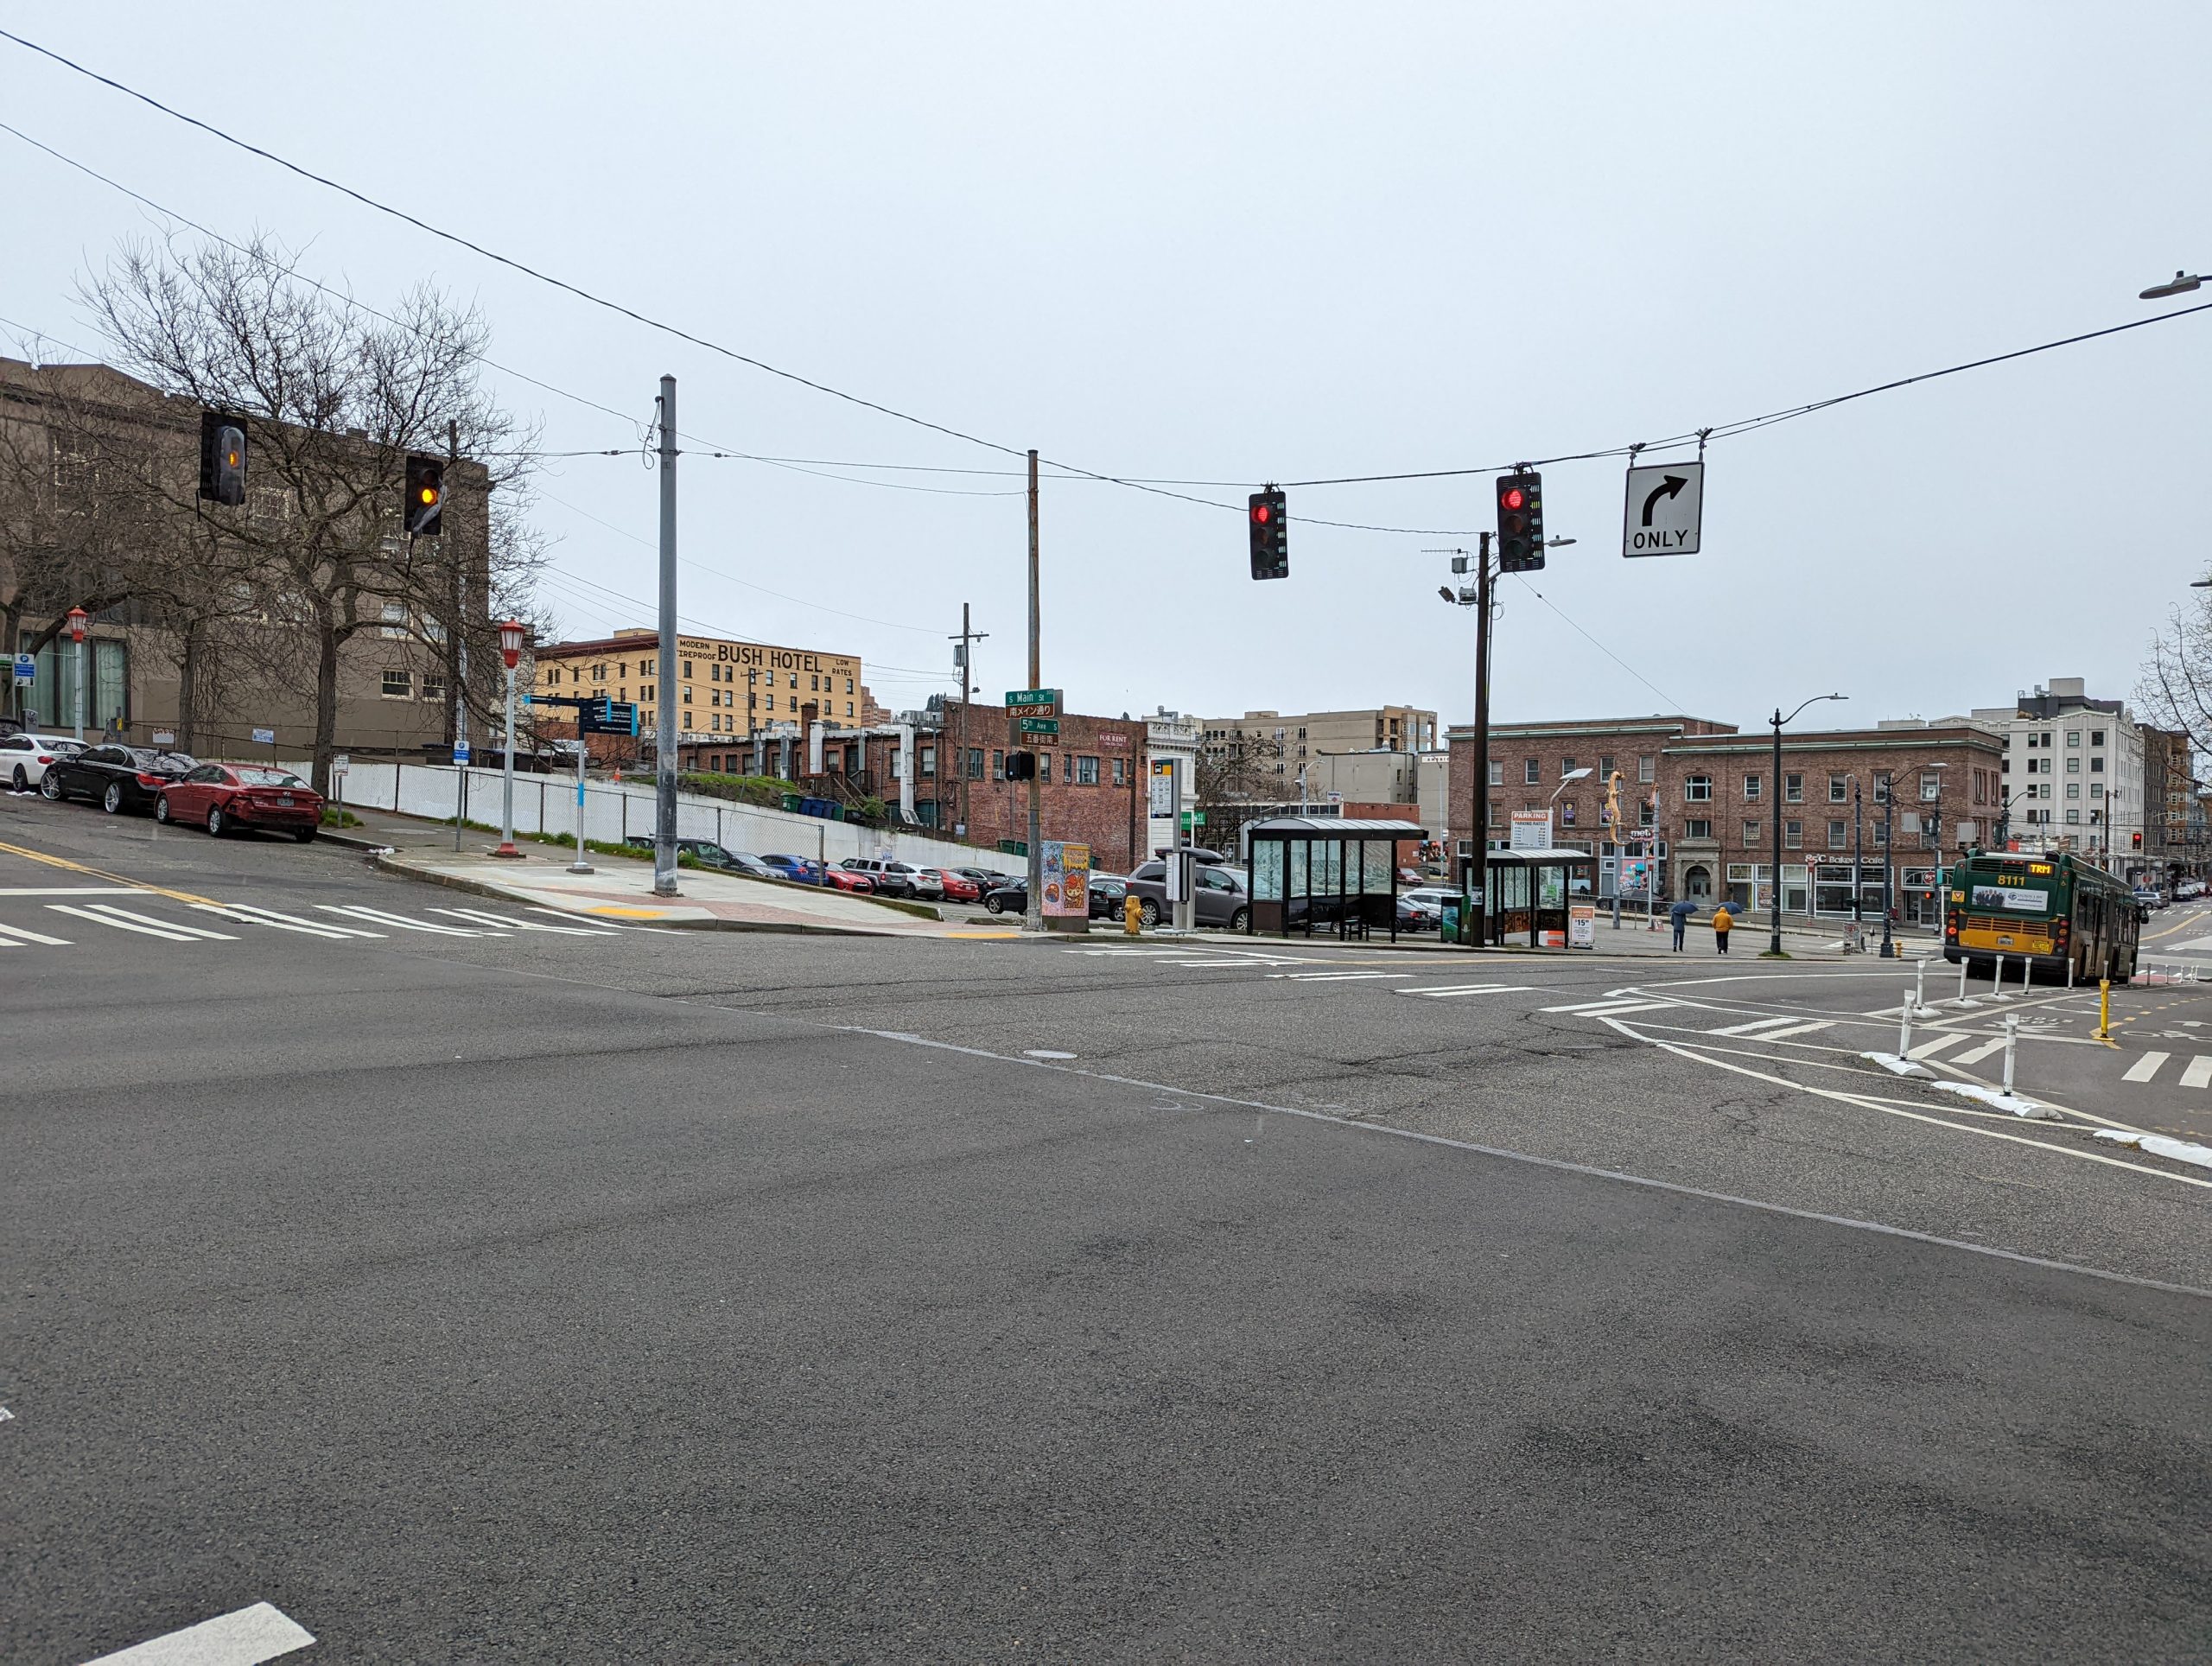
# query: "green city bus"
{"points": [[2050, 911]]}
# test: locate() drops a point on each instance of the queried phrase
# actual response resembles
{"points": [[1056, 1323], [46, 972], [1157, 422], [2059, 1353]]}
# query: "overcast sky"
{"points": [[1270, 241]]}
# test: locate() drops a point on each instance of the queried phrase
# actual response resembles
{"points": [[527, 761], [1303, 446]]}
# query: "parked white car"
{"points": [[23, 758]]}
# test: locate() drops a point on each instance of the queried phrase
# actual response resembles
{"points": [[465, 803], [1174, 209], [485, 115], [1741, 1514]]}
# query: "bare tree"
{"points": [[332, 399], [2175, 690]]}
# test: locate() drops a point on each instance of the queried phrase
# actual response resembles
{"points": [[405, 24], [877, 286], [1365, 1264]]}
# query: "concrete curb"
{"points": [[385, 862]]}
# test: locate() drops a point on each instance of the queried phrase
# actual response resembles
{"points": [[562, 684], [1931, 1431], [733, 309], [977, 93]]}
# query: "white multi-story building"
{"points": [[1172, 743], [2073, 772]]}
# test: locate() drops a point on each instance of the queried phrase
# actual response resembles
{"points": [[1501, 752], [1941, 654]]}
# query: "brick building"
{"points": [[1094, 792], [1707, 791]]}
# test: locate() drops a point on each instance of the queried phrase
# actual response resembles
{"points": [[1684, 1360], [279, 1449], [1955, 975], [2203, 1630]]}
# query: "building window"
{"points": [[687, 696], [848, 685], [1698, 789], [1532, 773], [998, 765], [1839, 789], [2073, 765], [929, 762], [1086, 771], [2096, 765], [398, 686], [434, 685], [2073, 789], [2073, 816], [974, 763], [1751, 835], [2072, 737], [1839, 834], [1931, 786], [1793, 789], [687, 668], [1567, 813], [1752, 785], [1566, 767], [1793, 835], [1497, 774], [1044, 765], [2096, 789], [1647, 769], [1496, 813], [848, 708], [2096, 737], [1697, 830], [395, 618], [1882, 786], [1605, 766], [1121, 772], [1067, 767]]}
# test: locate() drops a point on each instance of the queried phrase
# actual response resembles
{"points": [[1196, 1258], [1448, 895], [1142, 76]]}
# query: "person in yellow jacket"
{"points": [[1721, 926]]}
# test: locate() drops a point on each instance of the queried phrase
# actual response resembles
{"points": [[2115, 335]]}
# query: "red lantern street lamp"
{"points": [[77, 620], [511, 636]]}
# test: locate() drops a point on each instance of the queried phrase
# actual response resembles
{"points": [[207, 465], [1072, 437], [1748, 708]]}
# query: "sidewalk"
{"points": [[621, 888]]}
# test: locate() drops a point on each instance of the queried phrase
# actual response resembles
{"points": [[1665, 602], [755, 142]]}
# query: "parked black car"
{"points": [[115, 777], [1012, 897], [708, 855], [1107, 891]]}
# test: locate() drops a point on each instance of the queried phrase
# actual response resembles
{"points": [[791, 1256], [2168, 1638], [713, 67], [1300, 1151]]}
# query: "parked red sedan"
{"points": [[844, 879], [220, 797], [958, 887]]}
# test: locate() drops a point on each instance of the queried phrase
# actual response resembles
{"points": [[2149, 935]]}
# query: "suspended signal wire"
{"points": [[1673, 704]]}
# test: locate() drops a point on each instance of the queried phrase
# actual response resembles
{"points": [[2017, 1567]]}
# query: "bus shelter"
{"points": [[1325, 876], [1529, 892]]}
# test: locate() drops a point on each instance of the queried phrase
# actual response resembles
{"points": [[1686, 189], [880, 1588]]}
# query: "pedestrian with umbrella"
{"points": [[1680, 913]]}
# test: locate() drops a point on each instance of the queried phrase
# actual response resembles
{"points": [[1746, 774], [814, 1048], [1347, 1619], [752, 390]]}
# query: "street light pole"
{"points": [[77, 620], [510, 635], [1774, 808]]}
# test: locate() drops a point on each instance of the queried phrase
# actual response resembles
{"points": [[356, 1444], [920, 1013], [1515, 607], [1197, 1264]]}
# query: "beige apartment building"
{"points": [[726, 689], [1267, 749]]}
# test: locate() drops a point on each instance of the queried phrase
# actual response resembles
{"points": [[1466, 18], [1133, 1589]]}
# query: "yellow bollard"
{"points": [[2104, 1009], [1132, 916]]}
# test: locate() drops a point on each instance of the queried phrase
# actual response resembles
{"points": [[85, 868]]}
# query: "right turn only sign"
{"points": [[1666, 505]]}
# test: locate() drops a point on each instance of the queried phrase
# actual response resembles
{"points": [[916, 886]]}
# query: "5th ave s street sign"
{"points": [[1665, 509]]}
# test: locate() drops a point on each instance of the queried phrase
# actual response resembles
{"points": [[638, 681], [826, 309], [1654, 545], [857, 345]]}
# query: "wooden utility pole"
{"points": [[1034, 917], [967, 639]]}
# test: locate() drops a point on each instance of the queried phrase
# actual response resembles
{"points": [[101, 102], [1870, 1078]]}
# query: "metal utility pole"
{"points": [[966, 661], [1479, 897], [665, 694], [1774, 803], [457, 633], [1858, 866], [1033, 916], [1889, 865]]}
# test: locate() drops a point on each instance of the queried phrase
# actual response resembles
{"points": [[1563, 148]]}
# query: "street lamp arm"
{"points": [[1780, 720]]}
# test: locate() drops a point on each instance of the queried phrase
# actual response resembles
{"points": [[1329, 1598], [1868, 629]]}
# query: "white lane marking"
{"points": [[108, 910], [119, 924], [2146, 1067], [247, 914], [610, 925], [32, 936], [1469, 989], [1797, 1029], [2199, 1072], [1384, 1130], [1984, 1051], [1929, 1049], [1044, 1052], [76, 891], [1756, 1024], [400, 920], [477, 917], [1337, 977], [1591, 1008], [240, 1638], [1640, 1007]]}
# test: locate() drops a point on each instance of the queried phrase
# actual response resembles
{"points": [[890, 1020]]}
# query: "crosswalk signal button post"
{"points": [[1521, 522], [1269, 521]]}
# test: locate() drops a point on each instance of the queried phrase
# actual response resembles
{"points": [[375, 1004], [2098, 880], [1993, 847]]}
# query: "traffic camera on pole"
{"points": [[1269, 521], [222, 458], [423, 509], [1521, 522]]}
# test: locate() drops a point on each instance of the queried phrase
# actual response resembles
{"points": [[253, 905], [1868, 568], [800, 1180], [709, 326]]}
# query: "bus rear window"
{"points": [[2008, 900]]}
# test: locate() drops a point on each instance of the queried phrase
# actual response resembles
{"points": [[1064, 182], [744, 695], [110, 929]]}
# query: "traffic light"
{"points": [[2138, 837], [423, 510], [1270, 526], [1521, 522], [222, 458], [1022, 766]]}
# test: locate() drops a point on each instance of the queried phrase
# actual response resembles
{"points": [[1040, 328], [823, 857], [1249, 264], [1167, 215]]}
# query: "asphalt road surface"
{"points": [[471, 1284]]}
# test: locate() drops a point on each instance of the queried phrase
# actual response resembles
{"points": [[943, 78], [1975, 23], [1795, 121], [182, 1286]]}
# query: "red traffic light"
{"points": [[1512, 498], [1263, 513]]}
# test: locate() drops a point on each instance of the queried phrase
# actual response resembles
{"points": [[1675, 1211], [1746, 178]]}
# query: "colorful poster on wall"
{"points": [[1067, 879]]}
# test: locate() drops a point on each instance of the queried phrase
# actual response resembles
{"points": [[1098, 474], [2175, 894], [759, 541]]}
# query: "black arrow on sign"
{"points": [[1671, 487]]}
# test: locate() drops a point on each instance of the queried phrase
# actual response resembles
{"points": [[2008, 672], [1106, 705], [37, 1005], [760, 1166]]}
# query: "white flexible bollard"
{"points": [[2012, 1041]]}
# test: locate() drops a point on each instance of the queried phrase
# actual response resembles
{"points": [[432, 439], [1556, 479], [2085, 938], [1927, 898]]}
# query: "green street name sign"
{"points": [[1037, 725], [1032, 696]]}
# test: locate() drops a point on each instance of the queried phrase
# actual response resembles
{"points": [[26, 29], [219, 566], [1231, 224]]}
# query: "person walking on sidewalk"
{"points": [[1680, 913], [1721, 925]]}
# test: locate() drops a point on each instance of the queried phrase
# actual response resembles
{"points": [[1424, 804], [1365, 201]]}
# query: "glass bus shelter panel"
{"points": [[1267, 865], [1378, 868]]}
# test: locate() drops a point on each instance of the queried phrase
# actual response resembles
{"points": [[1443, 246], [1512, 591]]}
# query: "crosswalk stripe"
{"points": [[1640, 1007], [32, 936], [2146, 1067], [1994, 1046], [1797, 1029], [1929, 1049], [1467, 989], [400, 920], [1593, 1008], [245, 914], [109, 908], [119, 924], [2199, 1072], [478, 917], [610, 925], [1756, 1024], [1337, 977]]}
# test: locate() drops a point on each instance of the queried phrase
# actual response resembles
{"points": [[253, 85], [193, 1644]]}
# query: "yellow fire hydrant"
{"points": [[1132, 916]]}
